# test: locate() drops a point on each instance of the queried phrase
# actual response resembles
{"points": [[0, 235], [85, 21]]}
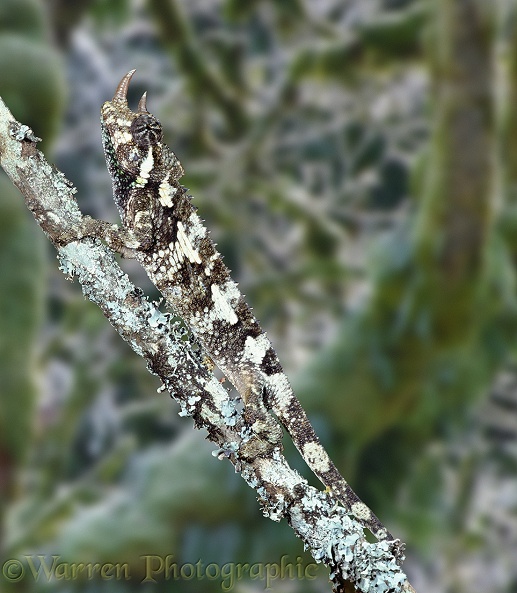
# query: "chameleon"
{"points": [[162, 230]]}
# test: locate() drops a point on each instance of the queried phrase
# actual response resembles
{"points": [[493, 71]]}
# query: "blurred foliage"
{"points": [[21, 305], [25, 60], [355, 162], [28, 62]]}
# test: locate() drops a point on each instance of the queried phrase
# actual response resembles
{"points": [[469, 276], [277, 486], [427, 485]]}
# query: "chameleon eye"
{"points": [[146, 130]]}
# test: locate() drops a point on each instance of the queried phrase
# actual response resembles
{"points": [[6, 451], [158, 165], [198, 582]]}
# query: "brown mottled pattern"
{"points": [[175, 249]]}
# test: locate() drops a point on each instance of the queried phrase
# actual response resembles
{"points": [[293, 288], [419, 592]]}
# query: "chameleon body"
{"points": [[162, 230]]}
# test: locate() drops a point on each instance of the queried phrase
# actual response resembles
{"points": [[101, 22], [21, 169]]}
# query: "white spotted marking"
{"points": [[178, 252], [196, 228], [121, 137], [282, 392], [145, 168], [360, 510], [316, 456], [210, 263], [231, 291], [186, 246], [255, 348], [138, 216], [175, 266], [164, 192], [222, 307]]}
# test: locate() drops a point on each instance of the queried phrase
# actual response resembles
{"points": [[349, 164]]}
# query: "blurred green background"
{"points": [[356, 162]]}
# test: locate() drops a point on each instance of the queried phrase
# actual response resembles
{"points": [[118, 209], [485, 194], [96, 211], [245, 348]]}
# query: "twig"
{"points": [[333, 537]]}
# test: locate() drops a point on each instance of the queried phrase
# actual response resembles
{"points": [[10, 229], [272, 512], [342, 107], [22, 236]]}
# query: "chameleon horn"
{"points": [[121, 92], [142, 104]]}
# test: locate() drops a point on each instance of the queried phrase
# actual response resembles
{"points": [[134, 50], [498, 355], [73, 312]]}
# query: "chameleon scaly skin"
{"points": [[163, 232]]}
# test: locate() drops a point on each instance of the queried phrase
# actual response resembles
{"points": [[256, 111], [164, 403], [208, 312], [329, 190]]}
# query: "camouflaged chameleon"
{"points": [[163, 232]]}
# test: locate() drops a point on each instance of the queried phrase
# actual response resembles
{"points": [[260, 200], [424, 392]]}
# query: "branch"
{"points": [[178, 37], [333, 537]]}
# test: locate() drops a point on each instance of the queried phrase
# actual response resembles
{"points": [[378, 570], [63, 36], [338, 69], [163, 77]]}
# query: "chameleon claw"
{"points": [[121, 92], [142, 104]]}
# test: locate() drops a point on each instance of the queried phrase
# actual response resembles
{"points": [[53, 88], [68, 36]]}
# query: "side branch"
{"points": [[333, 537]]}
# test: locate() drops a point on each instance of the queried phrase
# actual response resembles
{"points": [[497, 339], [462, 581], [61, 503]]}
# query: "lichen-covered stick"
{"points": [[163, 232]]}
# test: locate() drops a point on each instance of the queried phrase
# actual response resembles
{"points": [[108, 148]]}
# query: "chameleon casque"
{"points": [[162, 230]]}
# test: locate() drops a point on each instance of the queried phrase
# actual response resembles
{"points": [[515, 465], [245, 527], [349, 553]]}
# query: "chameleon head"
{"points": [[133, 141]]}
